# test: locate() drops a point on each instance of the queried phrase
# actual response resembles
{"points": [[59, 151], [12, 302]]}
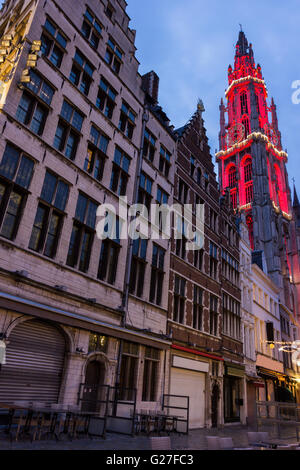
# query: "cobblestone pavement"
{"points": [[194, 441]]}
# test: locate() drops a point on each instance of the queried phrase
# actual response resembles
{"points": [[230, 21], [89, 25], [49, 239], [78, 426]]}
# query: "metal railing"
{"points": [[282, 420]]}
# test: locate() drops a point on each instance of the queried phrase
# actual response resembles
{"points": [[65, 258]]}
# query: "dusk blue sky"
{"points": [[190, 44]]}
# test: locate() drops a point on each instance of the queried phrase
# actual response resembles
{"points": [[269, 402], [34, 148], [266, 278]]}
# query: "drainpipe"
{"points": [[125, 294]]}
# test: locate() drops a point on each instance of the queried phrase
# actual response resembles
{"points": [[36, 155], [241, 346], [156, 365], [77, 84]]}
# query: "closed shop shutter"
{"points": [[34, 363], [192, 384]]}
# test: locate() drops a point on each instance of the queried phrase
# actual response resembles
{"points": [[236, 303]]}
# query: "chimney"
{"points": [[150, 84]]}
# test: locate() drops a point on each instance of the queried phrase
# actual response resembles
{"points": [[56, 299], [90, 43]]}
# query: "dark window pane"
{"points": [[47, 93], [73, 247], [81, 208], [77, 120], [75, 75], [50, 27], [51, 241], [9, 162], [91, 215], [25, 172], [56, 56], [59, 139], [61, 40], [61, 195], [40, 222], [24, 109], [49, 187], [46, 45], [38, 120], [85, 251], [86, 29], [66, 111], [11, 216], [35, 82]]}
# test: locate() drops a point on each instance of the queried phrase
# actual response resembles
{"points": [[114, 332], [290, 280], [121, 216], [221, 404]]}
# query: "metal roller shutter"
{"points": [[34, 363], [192, 384]]}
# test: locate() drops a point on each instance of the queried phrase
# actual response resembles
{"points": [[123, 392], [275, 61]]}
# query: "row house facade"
{"points": [[80, 130], [204, 292]]}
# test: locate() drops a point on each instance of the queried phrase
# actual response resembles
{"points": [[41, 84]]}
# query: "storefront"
{"points": [[233, 392]]}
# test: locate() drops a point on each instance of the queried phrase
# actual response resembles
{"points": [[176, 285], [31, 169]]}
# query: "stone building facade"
{"points": [[84, 129]]}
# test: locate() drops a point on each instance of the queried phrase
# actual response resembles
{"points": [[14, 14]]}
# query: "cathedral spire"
{"points": [[296, 200], [242, 46]]}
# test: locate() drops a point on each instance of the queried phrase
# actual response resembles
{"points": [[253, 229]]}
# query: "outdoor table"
{"points": [[70, 420]]}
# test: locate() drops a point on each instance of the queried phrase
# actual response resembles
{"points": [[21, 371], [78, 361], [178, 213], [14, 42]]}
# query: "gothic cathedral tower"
{"points": [[252, 167]]}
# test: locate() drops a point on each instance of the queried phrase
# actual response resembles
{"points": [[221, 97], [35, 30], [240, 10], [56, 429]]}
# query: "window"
{"points": [[249, 193], [230, 268], [231, 317], [213, 315], [197, 308], [183, 190], [162, 199], [16, 172], [81, 73], [150, 379], [53, 43], [248, 171], [106, 98], [244, 103], [97, 343], [96, 154], [232, 181], [233, 196], [149, 145], [109, 254], [82, 234], [49, 216], [157, 275], [164, 161], [192, 166], [181, 240], [113, 56], [213, 260], [91, 29], [127, 120], [198, 259], [179, 299], [145, 189], [68, 130], [109, 11], [246, 125], [119, 176], [33, 109], [213, 221], [138, 267], [128, 373]]}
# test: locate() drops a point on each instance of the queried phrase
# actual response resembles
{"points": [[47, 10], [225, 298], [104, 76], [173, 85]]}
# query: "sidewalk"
{"points": [[195, 440]]}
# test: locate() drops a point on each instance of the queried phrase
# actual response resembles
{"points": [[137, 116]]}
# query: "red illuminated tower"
{"points": [[252, 166]]}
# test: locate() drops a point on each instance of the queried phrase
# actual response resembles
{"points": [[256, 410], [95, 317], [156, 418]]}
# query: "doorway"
{"points": [[214, 405], [93, 390]]}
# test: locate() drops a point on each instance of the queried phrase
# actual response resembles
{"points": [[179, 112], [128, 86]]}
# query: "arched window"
{"points": [[244, 103], [282, 199], [248, 170], [232, 177], [246, 125]]}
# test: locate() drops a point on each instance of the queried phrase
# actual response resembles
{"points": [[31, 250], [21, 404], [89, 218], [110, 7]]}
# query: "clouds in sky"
{"points": [[191, 43]]}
